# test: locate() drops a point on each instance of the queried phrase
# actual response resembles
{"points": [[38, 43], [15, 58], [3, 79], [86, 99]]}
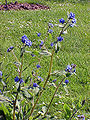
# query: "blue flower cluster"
{"points": [[35, 85], [81, 117], [26, 41], [50, 30], [54, 80], [40, 78], [38, 66], [9, 49], [70, 69], [61, 20], [38, 34], [41, 44], [60, 38], [17, 79], [72, 16], [66, 81], [52, 44], [50, 25]]}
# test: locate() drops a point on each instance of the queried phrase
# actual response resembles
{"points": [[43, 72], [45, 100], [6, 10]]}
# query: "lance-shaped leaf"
{"points": [[67, 111], [26, 94], [5, 99], [58, 73], [59, 25], [45, 52], [57, 47]]}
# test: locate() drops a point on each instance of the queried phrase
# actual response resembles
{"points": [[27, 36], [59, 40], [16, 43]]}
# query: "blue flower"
{"points": [[68, 68], [16, 79], [41, 44], [61, 20], [54, 80], [71, 25], [32, 55], [21, 81], [81, 116], [73, 22], [28, 43], [38, 34], [38, 66], [50, 31], [71, 15], [26, 40], [40, 78], [60, 38], [0, 74], [9, 49], [35, 84], [66, 81], [50, 24], [0, 91], [51, 44]]}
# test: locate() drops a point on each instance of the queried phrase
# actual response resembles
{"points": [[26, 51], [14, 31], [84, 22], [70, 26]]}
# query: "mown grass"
{"points": [[74, 49]]}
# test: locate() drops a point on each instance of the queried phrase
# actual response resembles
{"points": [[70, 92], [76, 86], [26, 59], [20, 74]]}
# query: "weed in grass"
{"points": [[33, 78]]}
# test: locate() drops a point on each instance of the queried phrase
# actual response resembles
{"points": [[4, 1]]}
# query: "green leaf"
{"points": [[50, 36], [44, 109], [35, 52], [67, 111], [58, 73], [36, 90], [2, 107], [57, 47], [30, 118], [26, 94], [45, 52], [5, 99]]}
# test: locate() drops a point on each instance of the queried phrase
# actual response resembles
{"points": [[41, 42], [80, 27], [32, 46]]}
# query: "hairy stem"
{"points": [[14, 106], [15, 57], [44, 83]]}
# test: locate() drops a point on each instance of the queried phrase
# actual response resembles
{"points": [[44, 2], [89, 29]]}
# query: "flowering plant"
{"points": [[26, 97]]}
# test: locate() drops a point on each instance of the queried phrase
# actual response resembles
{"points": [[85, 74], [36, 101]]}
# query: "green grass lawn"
{"points": [[74, 49]]}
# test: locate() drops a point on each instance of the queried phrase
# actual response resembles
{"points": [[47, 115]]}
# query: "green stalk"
{"points": [[54, 96], [15, 57], [44, 83], [17, 89]]}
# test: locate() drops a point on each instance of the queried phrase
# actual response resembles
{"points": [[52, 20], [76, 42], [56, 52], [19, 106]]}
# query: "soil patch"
{"points": [[22, 6]]}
